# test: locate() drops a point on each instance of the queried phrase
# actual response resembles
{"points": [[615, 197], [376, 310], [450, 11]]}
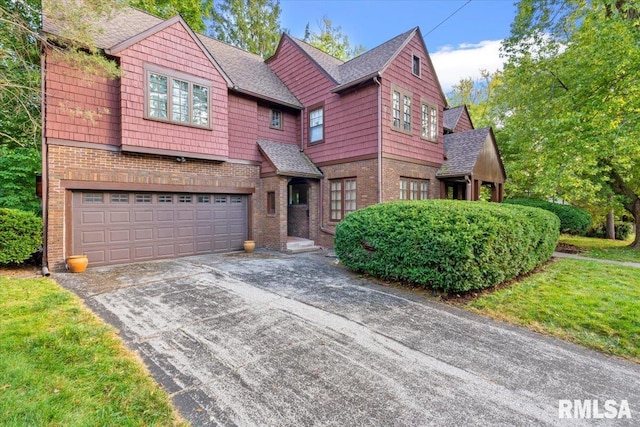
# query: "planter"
{"points": [[249, 246], [77, 263]]}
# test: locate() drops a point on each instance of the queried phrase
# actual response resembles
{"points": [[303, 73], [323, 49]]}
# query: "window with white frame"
{"points": [[316, 125], [177, 98], [414, 189], [343, 197], [429, 121], [276, 119]]}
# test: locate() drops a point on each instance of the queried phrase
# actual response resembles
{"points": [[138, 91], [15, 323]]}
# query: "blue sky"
{"points": [[460, 46]]}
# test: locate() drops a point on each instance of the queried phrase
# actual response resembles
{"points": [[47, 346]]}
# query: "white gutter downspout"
{"points": [[45, 163], [375, 79]]}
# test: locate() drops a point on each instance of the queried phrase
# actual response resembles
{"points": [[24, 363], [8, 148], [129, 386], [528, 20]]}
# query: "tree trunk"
{"points": [[632, 202], [636, 220], [610, 226]]}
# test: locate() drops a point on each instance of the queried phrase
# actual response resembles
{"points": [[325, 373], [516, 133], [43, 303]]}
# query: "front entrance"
{"points": [[298, 208]]}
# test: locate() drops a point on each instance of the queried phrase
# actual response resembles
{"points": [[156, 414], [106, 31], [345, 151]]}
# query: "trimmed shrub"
{"points": [[623, 230], [573, 220], [454, 246], [20, 235]]}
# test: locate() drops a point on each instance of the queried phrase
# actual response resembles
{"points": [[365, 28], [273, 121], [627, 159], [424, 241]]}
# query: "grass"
{"points": [[586, 302], [617, 250], [60, 365]]}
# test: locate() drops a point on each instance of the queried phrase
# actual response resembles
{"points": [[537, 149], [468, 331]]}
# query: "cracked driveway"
{"points": [[273, 339]]}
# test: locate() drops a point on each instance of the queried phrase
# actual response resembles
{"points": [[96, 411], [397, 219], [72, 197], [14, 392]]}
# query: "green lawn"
{"points": [[617, 250], [586, 302], [60, 365]]}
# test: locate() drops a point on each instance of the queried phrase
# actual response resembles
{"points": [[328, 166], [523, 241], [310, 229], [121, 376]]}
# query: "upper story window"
{"points": [[276, 120], [177, 98], [415, 64], [401, 109], [429, 121], [316, 125]]}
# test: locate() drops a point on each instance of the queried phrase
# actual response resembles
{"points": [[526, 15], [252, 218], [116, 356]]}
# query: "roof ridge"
{"points": [[315, 48]]}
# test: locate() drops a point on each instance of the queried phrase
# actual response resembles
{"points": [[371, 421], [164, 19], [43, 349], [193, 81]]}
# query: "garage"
{"points": [[122, 227]]}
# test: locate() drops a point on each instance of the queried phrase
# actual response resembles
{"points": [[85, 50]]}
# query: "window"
{"points": [[92, 198], [429, 125], [401, 110], [276, 120], [414, 189], [119, 198], [204, 199], [316, 125], [143, 198], [271, 203], [236, 200], [165, 198], [416, 65], [343, 198], [177, 98], [184, 199], [220, 199]]}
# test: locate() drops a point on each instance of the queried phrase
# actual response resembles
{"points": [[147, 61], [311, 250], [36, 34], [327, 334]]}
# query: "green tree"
{"points": [[194, 12], [478, 96], [251, 25], [571, 92], [331, 40]]}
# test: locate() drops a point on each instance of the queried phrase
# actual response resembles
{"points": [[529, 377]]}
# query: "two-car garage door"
{"points": [[121, 227]]}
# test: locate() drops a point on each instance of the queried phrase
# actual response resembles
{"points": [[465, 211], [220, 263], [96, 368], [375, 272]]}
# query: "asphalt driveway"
{"points": [[282, 340]]}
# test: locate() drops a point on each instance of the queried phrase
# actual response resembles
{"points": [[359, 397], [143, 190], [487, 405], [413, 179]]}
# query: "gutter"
{"points": [[344, 86], [375, 79]]}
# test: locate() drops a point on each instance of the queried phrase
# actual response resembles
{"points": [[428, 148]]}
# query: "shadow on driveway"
{"points": [[273, 339]]}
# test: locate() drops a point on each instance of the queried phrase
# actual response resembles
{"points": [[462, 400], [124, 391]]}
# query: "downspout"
{"points": [[375, 79], [469, 187], [45, 163]]}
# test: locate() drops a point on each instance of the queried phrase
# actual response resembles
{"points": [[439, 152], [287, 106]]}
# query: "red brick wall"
{"points": [[425, 87], [272, 229], [172, 48], [102, 166], [80, 108], [393, 169]]}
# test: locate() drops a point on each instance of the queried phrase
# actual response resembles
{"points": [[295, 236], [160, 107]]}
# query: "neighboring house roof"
{"points": [[246, 72], [461, 150], [450, 117], [288, 159]]}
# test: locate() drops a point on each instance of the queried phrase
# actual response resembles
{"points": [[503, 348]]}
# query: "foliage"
{"points": [[20, 235], [623, 230], [61, 366], [449, 245], [18, 169], [251, 25], [478, 96], [570, 98], [589, 303], [573, 220], [194, 12], [332, 41], [615, 250]]}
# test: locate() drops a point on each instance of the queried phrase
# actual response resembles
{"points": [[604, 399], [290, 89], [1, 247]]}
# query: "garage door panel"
{"points": [[132, 227]]}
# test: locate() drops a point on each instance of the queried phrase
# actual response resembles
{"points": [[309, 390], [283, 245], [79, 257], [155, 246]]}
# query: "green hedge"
{"points": [[623, 230], [20, 235], [454, 246], [573, 220]]}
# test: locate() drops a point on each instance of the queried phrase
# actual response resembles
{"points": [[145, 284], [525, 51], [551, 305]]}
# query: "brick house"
{"points": [[199, 146]]}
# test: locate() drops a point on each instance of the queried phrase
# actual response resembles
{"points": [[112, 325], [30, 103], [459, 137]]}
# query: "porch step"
{"points": [[297, 244]]}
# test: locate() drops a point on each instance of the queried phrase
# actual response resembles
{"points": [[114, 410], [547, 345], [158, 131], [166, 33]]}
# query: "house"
{"points": [[199, 146]]}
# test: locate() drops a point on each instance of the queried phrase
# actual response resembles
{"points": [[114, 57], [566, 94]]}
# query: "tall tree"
{"points": [[478, 96], [251, 25], [572, 90], [194, 12], [331, 40]]}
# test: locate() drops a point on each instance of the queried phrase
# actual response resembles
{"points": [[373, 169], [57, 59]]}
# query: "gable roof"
{"points": [[244, 71], [288, 159], [461, 150]]}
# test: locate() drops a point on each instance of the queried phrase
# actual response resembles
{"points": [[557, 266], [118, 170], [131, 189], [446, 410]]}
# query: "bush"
{"points": [[623, 230], [573, 220], [454, 246], [20, 235]]}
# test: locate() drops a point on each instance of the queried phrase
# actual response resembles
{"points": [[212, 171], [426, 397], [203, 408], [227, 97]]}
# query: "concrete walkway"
{"points": [[604, 261], [295, 340]]}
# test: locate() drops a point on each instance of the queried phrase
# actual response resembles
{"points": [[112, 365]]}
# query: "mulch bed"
{"points": [[568, 248]]}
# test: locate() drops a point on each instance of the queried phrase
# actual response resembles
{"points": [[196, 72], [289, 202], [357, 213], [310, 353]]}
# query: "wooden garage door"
{"points": [[118, 227]]}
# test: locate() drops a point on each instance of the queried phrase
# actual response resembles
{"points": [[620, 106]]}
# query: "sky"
{"points": [[459, 45]]}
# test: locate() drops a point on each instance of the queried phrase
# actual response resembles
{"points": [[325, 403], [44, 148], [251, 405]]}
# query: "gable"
{"points": [[489, 166]]}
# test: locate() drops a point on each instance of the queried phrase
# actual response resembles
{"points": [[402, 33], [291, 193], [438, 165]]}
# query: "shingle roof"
{"points": [[462, 150], [451, 116], [288, 159], [247, 72], [369, 63]]}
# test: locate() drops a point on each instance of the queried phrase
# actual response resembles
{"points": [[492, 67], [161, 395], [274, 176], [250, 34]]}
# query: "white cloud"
{"points": [[453, 63]]}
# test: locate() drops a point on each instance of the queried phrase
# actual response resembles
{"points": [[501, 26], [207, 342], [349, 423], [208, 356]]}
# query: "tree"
{"points": [[251, 25], [571, 100], [194, 12], [331, 40], [478, 96]]}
